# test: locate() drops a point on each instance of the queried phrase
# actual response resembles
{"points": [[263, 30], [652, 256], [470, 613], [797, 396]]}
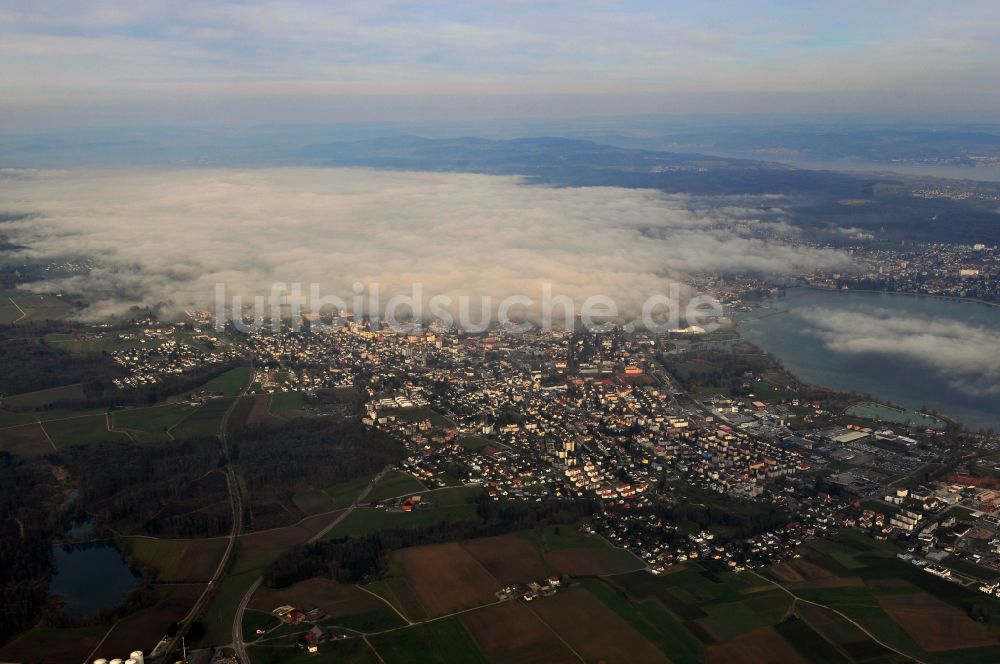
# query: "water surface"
{"points": [[91, 577], [910, 350]]}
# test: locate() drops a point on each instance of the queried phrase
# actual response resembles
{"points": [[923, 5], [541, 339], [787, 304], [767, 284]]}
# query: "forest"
{"points": [[277, 459], [31, 365], [172, 489], [26, 530]]}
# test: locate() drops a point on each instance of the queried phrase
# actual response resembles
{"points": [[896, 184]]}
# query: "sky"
{"points": [[79, 62]]}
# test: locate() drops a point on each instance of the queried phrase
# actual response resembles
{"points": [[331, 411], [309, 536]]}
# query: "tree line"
{"points": [[365, 557], [161, 490], [26, 530]]}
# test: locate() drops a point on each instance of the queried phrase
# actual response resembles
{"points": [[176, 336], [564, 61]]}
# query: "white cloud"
{"points": [[967, 356], [170, 236]]}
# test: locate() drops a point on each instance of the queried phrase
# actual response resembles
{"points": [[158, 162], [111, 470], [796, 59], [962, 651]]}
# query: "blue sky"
{"points": [[152, 61]]}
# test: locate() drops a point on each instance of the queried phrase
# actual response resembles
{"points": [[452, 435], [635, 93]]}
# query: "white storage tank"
{"points": [[137, 656], [116, 661], [101, 661], [129, 661]]}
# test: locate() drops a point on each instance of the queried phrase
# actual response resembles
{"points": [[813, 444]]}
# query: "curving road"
{"points": [[238, 644], [796, 598]]}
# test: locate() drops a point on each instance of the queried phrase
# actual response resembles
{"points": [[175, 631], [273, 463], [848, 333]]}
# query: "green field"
{"points": [[35, 307], [254, 620], [8, 312], [218, 618], [254, 552], [45, 397], [765, 390], [178, 560], [206, 421], [8, 419], [151, 425], [229, 384], [344, 494], [652, 620], [365, 520], [369, 621], [85, 430], [346, 651], [313, 501], [104, 343], [286, 404], [393, 485], [456, 495], [474, 442], [418, 415], [442, 641], [853, 554], [877, 412]]}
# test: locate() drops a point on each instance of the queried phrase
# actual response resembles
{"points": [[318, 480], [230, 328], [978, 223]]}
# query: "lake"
{"points": [[909, 350], [91, 577]]}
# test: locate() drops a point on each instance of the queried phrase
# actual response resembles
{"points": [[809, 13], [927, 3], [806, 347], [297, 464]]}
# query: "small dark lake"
{"points": [[91, 577]]}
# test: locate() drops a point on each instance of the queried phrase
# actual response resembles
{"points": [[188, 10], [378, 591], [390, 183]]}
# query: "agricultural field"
{"points": [[178, 560], [365, 519], [397, 591], [286, 404], [206, 421], [347, 651], [58, 644], [935, 625], [82, 430], [761, 646], [569, 551], [446, 641], [35, 307], [522, 638], [28, 440], [344, 494], [45, 397], [260, 410], [254, 551], [695, 612], [912, 611], [447, 578], [9, 313], [12, 419], [336, 599], [313, 501], [509, 558], [153, 424], [145, 628], [90, 343], [394, 485], [593, 630], [228, 384]]}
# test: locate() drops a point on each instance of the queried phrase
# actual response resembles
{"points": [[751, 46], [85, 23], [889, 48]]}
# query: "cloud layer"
{"points": [[967, 356], [168, 237]]}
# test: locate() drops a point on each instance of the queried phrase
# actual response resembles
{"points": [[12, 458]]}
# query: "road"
{"points": [[236, 504], [238, 644]]}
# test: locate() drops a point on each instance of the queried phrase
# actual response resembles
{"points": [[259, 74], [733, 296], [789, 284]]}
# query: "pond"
{"points": [[91, 577]]}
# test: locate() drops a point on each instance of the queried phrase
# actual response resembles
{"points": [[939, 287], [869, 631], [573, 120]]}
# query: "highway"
{"points": [[238, 644]]}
